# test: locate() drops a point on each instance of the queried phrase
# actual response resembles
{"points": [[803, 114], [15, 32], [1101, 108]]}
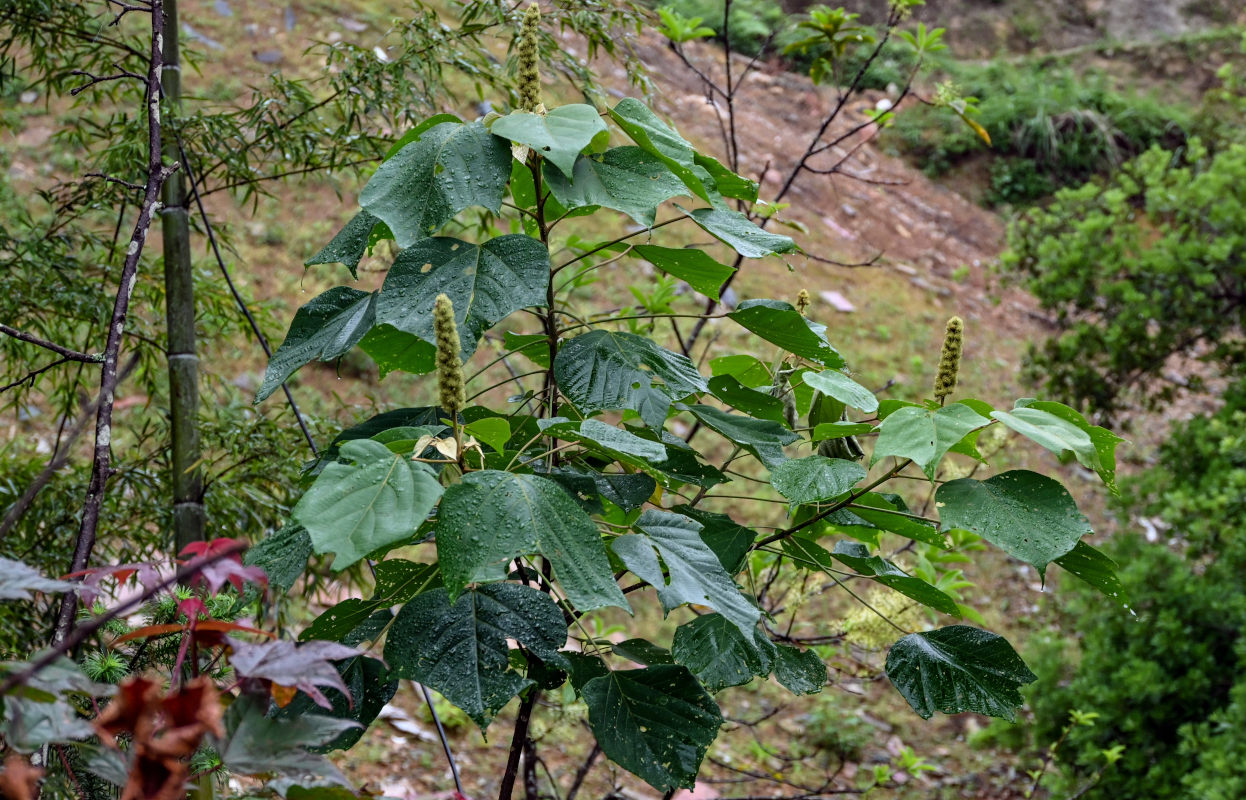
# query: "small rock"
{"points": [[884, 104], [195, 36], [267, 56], [838, 302], [222, 7], [352, 25], [29, 96], [848, 210], [922, 283], [906, 269], [290, 19]]}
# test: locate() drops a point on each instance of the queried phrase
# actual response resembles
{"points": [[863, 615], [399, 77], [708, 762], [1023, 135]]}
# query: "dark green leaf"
{"points": [[324, 329], [349, 245], [369, 692], [657, 138], [925, 435], [282, 555], [779, 323], [559, 135], [378, 499], [729, 540], [398, 418], [719, 654], [627, 491], [739, 233], [643, 652], [1095, 568], [696, 576], [857, 556], [460, 650], [656, 722], [452, 166], [533, 346], [752, 402], [748, 370], [800, 671], [688, 264], [838, 430], [397, 581], [727, 182], [485, 282], [916, 529], [625, 179], [1030, 516], [958, 669], [607, 370], [763, 438], [394, 350], [834, 383], [261, 745], [815, 479], [491, 517]]}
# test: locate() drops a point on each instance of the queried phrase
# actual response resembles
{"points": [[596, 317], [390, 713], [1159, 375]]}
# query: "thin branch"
{"points": [[69, 355], [122, 74], [101, 468]]}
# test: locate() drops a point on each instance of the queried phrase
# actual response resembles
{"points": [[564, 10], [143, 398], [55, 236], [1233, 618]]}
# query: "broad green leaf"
{"points": [[739, 233], [695, 575], [625, 179], [398, 418], [958, 669], [815, 479], [613, 440], [729, 540], [1057, 435], [657, 138], [727, 182], [779, 323], [369, 691], [875, 509], [492, 431], [1105, 441], [925, 435], [485, 282], [838, 430], [656, 722], [559, 135], [834, 383], [691, 265], [1092, 566], [415, 133], [398, 351], [349, 245], [460, 648], [378, 499], [450, 167], [681, 464], [857, 556], [748, 370], [608, 370], [1029, 516], [533, 346], [807, 554], [282, 555], [800, 671], [397, 581], [324, 329], [719, 654], [762, 438], [261, 745], [752, 402], [643, 652], [491, 517]]}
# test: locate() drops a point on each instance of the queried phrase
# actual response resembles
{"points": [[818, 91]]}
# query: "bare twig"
{"points": [[120, 75], [69, 355]]}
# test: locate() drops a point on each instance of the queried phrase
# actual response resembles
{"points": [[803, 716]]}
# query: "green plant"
{"points": [[533, 516]]}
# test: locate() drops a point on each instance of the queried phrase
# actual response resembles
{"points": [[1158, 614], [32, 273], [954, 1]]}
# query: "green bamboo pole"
{"points": [[179, 283]]}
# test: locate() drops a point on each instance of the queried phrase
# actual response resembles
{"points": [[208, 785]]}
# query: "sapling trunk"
{"points": [[179, 282]]}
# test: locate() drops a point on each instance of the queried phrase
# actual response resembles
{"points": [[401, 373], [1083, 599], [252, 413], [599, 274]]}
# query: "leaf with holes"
{"points": [[491, 517], [656, 722], [694, 573], [376, 500], [460, 648], [958, 669], [324, 329], [485, 282], [1029, 516], [450, 167]]}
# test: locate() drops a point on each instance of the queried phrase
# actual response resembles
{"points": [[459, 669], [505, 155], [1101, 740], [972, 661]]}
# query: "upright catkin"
{"points": [[450, 384], [529, 54], [802, 302], [949, 359]]}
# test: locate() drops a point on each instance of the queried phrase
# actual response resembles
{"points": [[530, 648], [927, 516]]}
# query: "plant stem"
{"points": [[522, 721]]}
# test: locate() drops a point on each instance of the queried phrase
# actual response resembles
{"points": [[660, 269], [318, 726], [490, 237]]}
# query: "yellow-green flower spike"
{"points": [[802, 302], [530, 60], [949, 359], [450, 384]]}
